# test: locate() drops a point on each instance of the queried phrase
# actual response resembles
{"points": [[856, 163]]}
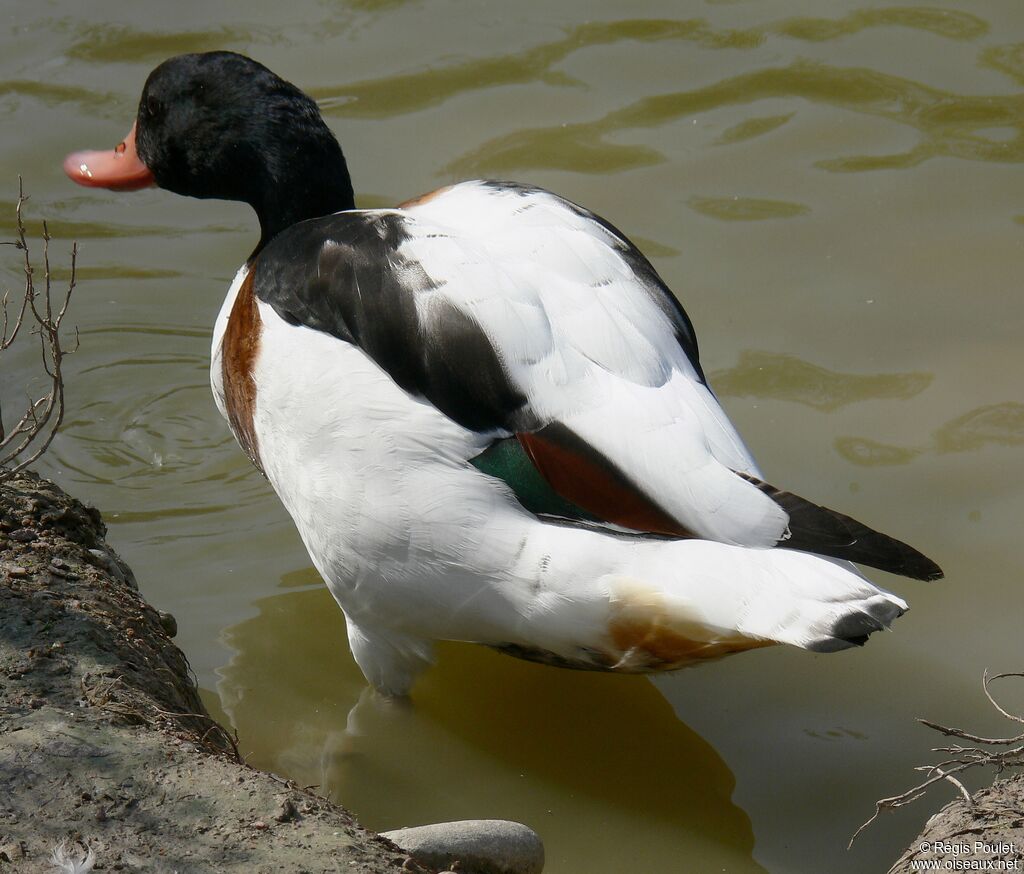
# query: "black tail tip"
{"points": [[813, 528], [854, 629], [901, 558], [913, 564], [888, 554]]}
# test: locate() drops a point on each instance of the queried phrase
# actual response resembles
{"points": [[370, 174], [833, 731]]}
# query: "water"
{"points": [[834, 192]]}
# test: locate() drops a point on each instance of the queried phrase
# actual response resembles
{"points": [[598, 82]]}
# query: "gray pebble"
{"points": [[168, 623], [60, 568], [480, 846], [108, 561]]}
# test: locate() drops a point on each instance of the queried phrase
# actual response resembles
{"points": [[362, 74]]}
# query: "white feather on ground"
{"points": [[66, 861]]}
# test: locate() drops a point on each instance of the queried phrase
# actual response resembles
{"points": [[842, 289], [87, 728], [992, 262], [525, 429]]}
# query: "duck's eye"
{"points": [[153, 106]]}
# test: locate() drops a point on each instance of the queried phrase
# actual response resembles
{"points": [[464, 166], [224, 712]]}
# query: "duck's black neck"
{"points": [[313, 189]]}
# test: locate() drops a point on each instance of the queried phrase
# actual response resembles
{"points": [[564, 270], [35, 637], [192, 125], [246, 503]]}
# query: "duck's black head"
{"points": [[220, 125]]}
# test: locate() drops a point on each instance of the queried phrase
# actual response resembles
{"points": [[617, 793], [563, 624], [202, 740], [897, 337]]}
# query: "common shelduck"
{"points": [[485, 410]]}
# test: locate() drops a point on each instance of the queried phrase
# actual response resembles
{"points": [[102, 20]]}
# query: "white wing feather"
{"points": [[585, 341]]}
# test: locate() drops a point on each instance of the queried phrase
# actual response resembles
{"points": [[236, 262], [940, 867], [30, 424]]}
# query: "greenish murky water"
{"points": [[836, 193]]}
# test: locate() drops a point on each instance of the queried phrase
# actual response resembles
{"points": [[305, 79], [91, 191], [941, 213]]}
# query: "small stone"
{"points": [[105, 561], [288, 812], [260, 825], [23, 535], [12, 852], [59, 568], [168, 623], [17, 571], [479, 846]]}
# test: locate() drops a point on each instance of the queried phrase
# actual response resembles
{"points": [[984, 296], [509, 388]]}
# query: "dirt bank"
{"points": [[105, 743], [985, 835]]}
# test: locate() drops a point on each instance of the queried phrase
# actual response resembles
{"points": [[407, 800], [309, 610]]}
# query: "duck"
{"points": [[485, 411]]}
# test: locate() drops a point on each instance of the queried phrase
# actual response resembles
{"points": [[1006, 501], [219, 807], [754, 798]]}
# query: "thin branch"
{"points": [[955, 782], [894, 801], [974, 738], [19, 243], [34, 431], [985, 684], [963, 758]]}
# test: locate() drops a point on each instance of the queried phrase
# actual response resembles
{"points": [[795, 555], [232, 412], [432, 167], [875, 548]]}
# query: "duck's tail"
{"points": [[694, 600]]}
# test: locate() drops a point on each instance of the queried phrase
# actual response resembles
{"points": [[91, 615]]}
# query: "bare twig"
{"points": [[974, 738], [30, 436], [955, 782], [894, 801], [963, 757], [986, 680]]}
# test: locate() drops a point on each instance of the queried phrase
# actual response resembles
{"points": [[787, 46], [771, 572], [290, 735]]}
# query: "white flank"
{"points": [[417, 545]]}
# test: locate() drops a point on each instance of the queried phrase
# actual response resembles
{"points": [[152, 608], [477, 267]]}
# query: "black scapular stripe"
{"points": [[814, 528], [342, 274]]}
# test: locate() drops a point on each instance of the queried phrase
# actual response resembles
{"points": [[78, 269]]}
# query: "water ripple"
{"points": [[753, 127], [941, 22], [990, 425], [788, 378], [88, 100], [118, 43], [417, 90], [71, 229], [949, 124], [746, 209], [1008, 59], [134, 428]]}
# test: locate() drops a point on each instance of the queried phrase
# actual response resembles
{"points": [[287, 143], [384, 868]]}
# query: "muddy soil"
{"points": [[104, 742], [985, 835]]}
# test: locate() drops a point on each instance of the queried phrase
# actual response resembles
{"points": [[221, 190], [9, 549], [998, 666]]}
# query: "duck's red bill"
{"points": [[119, 169]]}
